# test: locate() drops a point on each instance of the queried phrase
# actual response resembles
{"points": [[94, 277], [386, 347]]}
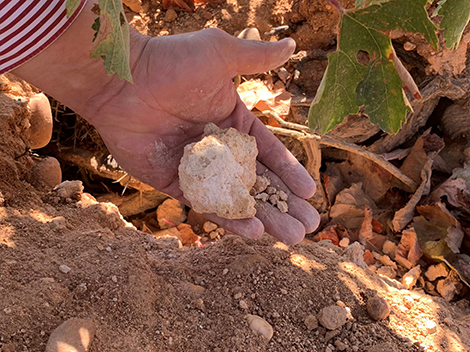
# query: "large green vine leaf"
{"points": [[111, 42], [376, 86], [456, 15]]}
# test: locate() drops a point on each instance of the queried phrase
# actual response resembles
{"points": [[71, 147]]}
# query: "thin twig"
{"points": [[342, 144], [280, 121]]}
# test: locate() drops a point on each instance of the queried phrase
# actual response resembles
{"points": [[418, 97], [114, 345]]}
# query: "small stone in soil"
{"points": [[378, 308], [311, 322], [72, 335], [64, 269], [243, 305], [260, 326], [209, 226], [411, 277], [436, 271], [344, 242], [333, 317]]}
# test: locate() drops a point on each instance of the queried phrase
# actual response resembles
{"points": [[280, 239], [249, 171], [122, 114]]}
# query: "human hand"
{"points": [[181, 83]]}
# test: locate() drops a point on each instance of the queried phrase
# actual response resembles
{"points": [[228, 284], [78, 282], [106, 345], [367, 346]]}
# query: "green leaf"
{"points": [[335, 97], [456, 16], [349, 85], [112, 39], [71, 6]]}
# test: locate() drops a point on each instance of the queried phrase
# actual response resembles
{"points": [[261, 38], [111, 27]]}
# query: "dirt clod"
{"points": [[333, 317]]}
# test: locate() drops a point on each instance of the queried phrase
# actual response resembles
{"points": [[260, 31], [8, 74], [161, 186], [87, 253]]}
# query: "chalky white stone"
{"points": [[217, 173]]}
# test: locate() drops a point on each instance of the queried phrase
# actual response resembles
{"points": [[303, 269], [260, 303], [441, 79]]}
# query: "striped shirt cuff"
{"points": [[29, 27]]}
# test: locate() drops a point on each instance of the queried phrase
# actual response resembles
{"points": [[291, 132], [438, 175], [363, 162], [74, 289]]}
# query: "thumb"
{"points": [[252, 56]]}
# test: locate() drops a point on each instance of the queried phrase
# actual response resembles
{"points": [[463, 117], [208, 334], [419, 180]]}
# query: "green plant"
{"points": [[111, 41], [375, 86]]}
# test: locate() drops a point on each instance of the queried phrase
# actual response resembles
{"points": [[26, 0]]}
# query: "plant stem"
{"points": [[338, 5], [342, 144]]}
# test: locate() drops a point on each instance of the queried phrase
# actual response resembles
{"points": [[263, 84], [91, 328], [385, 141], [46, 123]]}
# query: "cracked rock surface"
{"points": [[218, 172]]}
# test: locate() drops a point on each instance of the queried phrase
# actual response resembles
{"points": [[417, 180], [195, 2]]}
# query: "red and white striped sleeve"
{"points": [[27, 27]]}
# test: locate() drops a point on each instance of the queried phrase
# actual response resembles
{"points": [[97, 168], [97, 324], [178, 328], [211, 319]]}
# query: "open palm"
{"points": [[183, 82]]}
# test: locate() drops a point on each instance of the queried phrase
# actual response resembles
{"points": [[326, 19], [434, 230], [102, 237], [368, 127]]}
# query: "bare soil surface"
{"points": [[149, 293]]}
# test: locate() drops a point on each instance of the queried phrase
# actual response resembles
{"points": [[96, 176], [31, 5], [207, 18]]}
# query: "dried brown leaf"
{"points": [[348, 209], [367, 236], [408, 81], [439, 216], [405, 215], [258, 94], [457, 193], [409, 248]]}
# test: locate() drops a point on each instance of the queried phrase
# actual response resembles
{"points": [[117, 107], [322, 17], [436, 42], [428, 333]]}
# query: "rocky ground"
{"points": [[148, 274]]}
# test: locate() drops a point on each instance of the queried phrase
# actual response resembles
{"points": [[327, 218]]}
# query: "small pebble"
{"points": [[64, 268], [72, 335], [283, 291], [225, 271], [237, 295], [311, 322], [243, 305], [282, 195], [273, 199], [260, 326], [7, 310], [344, 242], [262, 197], [282, 206], [333, 317], [108, 249], [271, 190], [114, 278], [378, 308], [170, 15], [209, 226], [408, 46]]}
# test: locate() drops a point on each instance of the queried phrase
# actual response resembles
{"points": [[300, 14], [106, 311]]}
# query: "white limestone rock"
{"points": [[217, 173]]}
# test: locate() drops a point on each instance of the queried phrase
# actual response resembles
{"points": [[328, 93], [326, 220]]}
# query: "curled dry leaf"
{"points": [[456, 191], [257, 94], [408, 81], [348, 209], [425, 148], [329, 233], [367, 236], [445, 226], [405, 215], [408, 250]]}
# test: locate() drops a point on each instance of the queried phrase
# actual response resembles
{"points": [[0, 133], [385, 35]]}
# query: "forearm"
{"points": [[66, 72]]}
